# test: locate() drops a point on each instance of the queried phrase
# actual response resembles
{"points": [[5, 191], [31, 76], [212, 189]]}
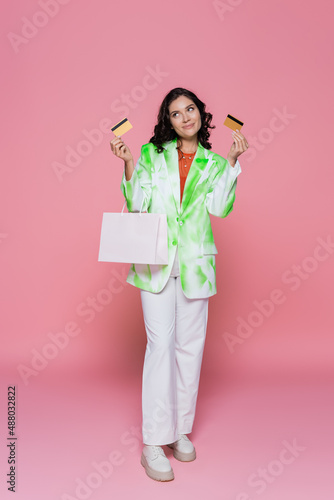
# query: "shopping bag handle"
{"points": [[140, 207]]}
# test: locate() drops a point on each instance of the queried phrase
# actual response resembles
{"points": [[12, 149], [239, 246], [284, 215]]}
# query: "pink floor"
{"points": [[242, 428]]}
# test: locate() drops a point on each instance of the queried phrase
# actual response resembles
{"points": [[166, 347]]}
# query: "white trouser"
{"points": [[176, 329]]}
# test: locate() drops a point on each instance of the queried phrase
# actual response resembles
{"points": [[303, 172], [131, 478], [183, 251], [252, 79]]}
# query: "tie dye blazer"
{"points": [[209, 189]]}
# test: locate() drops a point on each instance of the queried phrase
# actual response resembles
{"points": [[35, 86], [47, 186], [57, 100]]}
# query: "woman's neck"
{"points": [[187, 147]]}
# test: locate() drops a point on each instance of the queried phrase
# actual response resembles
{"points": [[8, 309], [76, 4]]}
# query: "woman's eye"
{"points": [[176, 113]]}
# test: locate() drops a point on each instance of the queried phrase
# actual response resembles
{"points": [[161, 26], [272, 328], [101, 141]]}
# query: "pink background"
{"points": [[252, 59]]}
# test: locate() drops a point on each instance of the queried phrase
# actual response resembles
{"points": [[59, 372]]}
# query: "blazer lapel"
{"points": [[197, 167], [172, 163]]}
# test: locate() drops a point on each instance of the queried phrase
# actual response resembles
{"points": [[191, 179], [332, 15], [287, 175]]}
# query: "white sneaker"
{"points": [[183, 449], [157, 465]]}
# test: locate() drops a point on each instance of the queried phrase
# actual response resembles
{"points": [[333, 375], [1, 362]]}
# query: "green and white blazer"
{"points": [[209, 189]]}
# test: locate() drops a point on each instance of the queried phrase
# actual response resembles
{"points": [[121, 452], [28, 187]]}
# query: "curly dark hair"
{"points": [[163, 131]]}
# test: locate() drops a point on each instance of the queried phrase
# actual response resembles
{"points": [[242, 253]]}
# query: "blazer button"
{"points": [[181, 222], [174, 242]]}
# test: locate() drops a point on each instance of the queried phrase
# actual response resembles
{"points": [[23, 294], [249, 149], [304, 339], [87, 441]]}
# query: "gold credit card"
{"points": [[233, 123], [121, 127]]}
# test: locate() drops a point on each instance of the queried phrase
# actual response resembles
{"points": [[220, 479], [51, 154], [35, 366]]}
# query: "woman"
{"points": [[177, 174]]}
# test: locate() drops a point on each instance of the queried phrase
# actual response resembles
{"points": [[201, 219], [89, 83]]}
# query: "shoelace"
{"points": [[184, 437], [157, 450]]}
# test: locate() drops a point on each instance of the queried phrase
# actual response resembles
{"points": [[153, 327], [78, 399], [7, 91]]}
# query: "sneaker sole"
{"points": [[181, 456], [155, 474]]}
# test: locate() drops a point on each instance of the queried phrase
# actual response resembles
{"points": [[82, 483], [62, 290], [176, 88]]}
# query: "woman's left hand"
{"points": [[239, 146]]}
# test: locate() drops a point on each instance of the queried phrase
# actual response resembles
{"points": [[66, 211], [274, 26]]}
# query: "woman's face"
{"points": [[184, 117]]}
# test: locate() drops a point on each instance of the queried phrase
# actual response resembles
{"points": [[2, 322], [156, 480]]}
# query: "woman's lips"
{"points": [[188, 126]]}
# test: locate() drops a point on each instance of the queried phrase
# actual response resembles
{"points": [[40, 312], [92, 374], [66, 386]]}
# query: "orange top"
{"points": [[185, 161]]}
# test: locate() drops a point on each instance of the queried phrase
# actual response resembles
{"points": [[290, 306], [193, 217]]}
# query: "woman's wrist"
{"points": [[128, 169], [232, 161]]}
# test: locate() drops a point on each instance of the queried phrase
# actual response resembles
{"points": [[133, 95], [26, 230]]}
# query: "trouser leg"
{"points": [[159, 373], [190, 334]]}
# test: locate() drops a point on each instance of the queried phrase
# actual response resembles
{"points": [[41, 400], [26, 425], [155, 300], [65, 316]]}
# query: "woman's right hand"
{"points": [[120, 149]]}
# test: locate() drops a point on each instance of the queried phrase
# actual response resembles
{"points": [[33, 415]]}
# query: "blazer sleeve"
{"points": [[138, 190], [221, 194]]}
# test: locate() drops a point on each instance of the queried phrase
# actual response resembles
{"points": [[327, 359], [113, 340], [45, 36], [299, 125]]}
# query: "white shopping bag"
{"points": [[138, 238]]}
